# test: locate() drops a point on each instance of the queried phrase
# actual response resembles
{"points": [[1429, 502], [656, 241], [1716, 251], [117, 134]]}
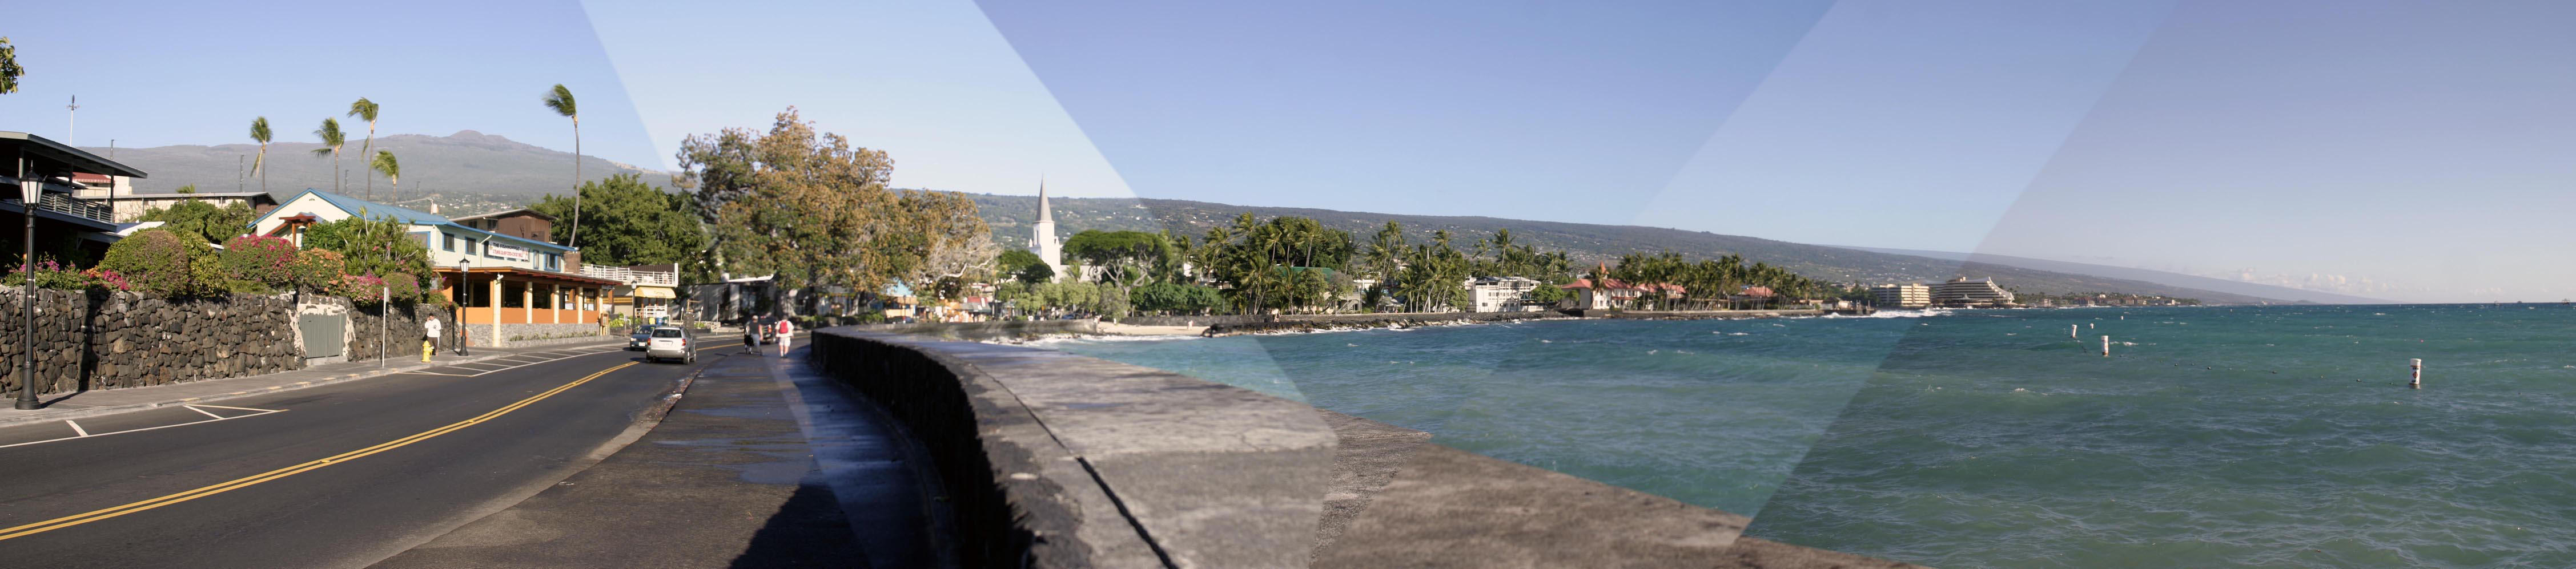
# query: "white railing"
{"points": [[631, 276]]}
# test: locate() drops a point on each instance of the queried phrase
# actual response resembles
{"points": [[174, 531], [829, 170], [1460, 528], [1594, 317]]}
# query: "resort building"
{"points": [[1908, 295], [45, 170], [127, 207], [508, 285], [644, 291], [1612, 293], [1753, 296], [1963, 292], [1502, 294]]}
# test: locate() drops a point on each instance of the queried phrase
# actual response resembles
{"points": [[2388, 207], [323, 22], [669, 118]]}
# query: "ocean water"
{"points": [[2213, 437]]}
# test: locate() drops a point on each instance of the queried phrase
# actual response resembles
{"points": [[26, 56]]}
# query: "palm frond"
{"points": [[384, 163], [560, 99], [363, 109], [259, 130]]}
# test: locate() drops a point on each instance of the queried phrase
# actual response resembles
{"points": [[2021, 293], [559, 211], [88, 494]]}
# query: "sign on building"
{"points": [[510, 252]]}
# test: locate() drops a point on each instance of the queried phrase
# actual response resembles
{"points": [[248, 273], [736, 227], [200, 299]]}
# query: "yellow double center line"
{"points": [[78, 519]]}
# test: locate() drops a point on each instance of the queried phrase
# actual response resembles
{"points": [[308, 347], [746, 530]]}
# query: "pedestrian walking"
{"points": [[428, 337], [785, 330], [751, 336]]}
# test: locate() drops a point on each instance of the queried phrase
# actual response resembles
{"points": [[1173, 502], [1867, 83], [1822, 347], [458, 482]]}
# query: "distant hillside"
{"points": [[466, 171], [1588, 243], [2160, 277]]}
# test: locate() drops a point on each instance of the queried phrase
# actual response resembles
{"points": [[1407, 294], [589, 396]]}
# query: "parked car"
{"points": [[637, 340], [671, 343]]}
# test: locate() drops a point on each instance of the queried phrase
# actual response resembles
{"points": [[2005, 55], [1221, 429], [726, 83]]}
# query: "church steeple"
{"points": [[1046, 213], [1042, 234]]}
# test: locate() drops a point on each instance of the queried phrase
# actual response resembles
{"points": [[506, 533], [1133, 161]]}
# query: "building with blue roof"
{"points": [[510, 283]]}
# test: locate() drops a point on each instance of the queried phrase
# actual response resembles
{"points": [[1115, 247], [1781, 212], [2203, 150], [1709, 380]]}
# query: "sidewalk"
{"points": [[60, 406], [763, 463]]}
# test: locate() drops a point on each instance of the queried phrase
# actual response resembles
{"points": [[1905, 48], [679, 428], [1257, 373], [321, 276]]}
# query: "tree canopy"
{"points": [[203, 221], [813, 210], [630, 223]]}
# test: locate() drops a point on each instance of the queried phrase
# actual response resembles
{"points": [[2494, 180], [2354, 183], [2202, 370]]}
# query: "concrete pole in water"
{"points": [[2418, 381], [2106, 346], [2070, 331]]}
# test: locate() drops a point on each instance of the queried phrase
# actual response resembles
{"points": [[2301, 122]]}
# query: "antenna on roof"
{"points": [[72, 111]]}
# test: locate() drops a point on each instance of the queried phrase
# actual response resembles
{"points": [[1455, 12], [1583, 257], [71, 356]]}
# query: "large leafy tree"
{"points": [[9, 69], [203, 221], [1024, 266], [1126, 258], [559, 100], [381, 247], [810, 209], [633, 223]]}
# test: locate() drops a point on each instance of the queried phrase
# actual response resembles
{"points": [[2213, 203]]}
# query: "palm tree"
{"points": [[560, 100], [384, 164], [366, 109], [259, 132], [332, 140]]}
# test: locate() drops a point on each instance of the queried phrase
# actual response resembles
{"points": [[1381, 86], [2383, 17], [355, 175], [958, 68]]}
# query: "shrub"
{"points": [[406, 288], [49, 274], [359, 289], [316, 270], [157, 261], [260, 259]]}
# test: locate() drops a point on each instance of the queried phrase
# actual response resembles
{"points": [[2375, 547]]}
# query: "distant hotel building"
{"points": [[1963, 292], [1502, 294], [1909, 295]]}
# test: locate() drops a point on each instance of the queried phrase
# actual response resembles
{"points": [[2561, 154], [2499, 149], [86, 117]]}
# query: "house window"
{"points": [[450, 242]]}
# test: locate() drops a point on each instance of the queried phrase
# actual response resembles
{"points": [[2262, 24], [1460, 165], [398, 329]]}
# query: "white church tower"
{"points": [[1042, 236]]}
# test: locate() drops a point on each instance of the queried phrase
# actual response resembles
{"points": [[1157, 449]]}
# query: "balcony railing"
{"points": [[76, 207], [631, 276]]}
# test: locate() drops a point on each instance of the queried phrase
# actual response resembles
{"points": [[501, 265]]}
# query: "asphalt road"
{"points": [[341, 475]]}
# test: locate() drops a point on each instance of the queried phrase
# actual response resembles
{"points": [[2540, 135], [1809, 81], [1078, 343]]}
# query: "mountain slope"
{"points": [[463, 170], [1587, 243], [2154, 276]]}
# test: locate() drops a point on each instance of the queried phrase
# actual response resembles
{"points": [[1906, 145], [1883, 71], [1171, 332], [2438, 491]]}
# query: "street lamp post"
{"points": [[465, 289], [28, 192]]}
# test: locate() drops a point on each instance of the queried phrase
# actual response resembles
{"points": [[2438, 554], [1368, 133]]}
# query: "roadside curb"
{"points": [[326, 380]]}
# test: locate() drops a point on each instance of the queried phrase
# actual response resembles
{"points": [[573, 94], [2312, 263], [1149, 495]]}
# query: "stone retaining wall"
{"points": [[107, 340]]}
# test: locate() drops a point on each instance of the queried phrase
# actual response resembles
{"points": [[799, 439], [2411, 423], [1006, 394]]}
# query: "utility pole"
{"points": [[72, 125]]}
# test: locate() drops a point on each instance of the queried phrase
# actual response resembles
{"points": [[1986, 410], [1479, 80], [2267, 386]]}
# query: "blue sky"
{"points": [[161, 73], [2395, 150]]}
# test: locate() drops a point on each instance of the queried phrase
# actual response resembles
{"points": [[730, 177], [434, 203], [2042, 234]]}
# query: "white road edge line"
{"points": [[76, 428], [234, 408], [208, 413]]}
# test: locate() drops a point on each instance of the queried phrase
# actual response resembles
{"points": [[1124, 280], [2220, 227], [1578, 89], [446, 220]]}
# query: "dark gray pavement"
{"points": [[762, 464], [334, 475]]}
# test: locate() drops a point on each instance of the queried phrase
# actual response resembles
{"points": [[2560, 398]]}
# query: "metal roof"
{"points": [[80, 160]]}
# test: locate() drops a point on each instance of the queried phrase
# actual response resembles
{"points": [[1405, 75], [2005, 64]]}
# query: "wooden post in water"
{"points": [[2418, 381], [2070, 331], [2106, 346]]}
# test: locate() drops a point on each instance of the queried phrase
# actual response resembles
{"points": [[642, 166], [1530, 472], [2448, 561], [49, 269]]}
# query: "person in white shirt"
{"points": [[428, 337]]}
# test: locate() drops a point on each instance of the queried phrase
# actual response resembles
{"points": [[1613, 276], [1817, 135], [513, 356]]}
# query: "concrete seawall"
{"points": [[1056, 460]]}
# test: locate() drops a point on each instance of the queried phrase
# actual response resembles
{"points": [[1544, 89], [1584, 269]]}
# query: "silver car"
{"points": [[669, 343]]}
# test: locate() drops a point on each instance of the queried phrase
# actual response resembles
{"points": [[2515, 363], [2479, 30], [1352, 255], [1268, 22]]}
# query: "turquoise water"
{"points": [[2251, 436]]}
